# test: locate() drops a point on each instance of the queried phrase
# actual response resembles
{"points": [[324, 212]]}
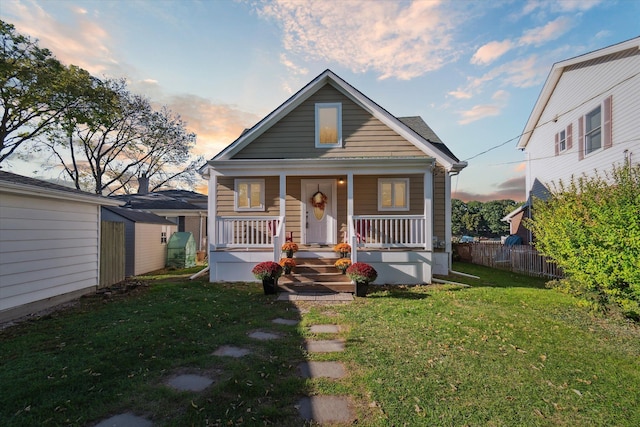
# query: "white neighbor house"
{"points": [[586, 119]]}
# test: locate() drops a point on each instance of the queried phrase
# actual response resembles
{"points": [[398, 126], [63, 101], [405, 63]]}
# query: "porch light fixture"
{"points": [[340, 180]]}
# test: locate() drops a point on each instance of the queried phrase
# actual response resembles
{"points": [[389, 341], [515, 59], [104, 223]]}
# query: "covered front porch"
{"points": [[317, 208]]}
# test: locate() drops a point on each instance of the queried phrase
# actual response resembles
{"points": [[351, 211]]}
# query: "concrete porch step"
{"points": [[329, 287]]}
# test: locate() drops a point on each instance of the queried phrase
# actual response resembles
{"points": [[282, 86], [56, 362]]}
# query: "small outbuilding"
{"points": [[146, 238], [181, 250]]}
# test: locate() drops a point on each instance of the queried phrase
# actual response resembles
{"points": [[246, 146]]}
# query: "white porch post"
{"points": [[213, 213], [428, 210], [447, 217], [283, 195], [349, 194]]}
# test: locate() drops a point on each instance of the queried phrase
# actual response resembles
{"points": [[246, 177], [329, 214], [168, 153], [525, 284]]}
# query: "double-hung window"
{"points": [[249, 194], [328, 125], [593, 131], [393, 194], [562, 140]]}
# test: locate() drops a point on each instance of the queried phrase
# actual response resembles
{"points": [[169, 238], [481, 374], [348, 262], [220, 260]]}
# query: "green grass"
{"points": [[504, 352]]}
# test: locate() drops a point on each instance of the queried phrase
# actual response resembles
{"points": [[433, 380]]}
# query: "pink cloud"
{"points": [[491, 51]]}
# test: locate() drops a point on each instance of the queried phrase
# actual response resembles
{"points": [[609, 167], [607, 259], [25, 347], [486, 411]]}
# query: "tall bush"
{"points": [[591, 228]]}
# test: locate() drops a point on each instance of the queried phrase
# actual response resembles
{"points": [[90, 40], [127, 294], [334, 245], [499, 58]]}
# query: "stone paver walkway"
{"points": [[318, 409], [189, 382], [321, 370]]}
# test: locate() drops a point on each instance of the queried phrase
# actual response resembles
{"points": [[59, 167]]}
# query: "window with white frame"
{"points": [[393, 194], [593, 130], [328, 125], [249, 194], [562, 140]]}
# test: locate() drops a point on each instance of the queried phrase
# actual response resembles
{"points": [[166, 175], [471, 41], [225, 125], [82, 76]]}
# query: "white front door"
{"points": [[318, 211]]}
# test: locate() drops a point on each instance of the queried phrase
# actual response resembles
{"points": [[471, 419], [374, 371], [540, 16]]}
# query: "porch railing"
{"points": [[237, 231], [388, 231]]}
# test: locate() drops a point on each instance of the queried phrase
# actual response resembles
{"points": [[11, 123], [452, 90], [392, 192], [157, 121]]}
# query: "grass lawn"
{"points": [[504, 352]]}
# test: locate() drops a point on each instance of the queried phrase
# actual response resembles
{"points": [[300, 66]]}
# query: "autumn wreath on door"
{"points": [[319, 202]]}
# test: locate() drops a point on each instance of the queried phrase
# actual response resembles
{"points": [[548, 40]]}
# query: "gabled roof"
{"points": [[138, 216], [554, 77], [431, 145], [26, 185]]}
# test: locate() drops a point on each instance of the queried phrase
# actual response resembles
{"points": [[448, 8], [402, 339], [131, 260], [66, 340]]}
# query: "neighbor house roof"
{"points": [[554, 77], [12, 182], [421, 136], [138, 216], [165, 200]]}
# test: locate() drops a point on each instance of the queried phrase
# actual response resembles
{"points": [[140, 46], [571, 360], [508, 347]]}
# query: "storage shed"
{"points": [[181, 250], [146, 238]]}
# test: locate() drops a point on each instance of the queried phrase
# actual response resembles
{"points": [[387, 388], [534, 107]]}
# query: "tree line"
{"points": [[480, 219], [102, 136]]}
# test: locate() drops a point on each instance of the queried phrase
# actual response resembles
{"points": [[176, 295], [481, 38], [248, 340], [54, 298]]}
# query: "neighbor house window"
{"points": [[393, 194], [328, 125], [249, 194], [593, 131], [562, 140], [163, 237]]}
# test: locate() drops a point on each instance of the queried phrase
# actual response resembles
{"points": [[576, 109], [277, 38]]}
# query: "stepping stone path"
{"points": [[227, 350], [189, 382], [318, 409], [324, 409], [125, 420]]}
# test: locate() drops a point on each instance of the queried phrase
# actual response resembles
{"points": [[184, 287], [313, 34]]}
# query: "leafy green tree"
{"points": [[35, 89], [492, 214], [591, 228]]}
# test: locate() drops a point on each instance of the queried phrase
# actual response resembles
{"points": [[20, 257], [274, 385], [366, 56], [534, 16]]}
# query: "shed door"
{"points": [[319, 211]]}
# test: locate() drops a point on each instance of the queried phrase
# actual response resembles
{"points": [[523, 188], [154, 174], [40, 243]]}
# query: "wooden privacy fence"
{"points": [[519, 258], [111, 253]]}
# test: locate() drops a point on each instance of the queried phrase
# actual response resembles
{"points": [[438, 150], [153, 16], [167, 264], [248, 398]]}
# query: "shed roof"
{"points": [[136, 215]]}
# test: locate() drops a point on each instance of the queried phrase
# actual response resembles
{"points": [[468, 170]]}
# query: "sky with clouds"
{"points": [[472, 69]]}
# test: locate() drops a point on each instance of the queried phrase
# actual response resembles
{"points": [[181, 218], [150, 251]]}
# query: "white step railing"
{"points": [[236, 231], [389, 231]]}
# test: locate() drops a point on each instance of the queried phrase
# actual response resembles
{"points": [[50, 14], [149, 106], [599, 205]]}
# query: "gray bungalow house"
{"points": [[330, 165]]}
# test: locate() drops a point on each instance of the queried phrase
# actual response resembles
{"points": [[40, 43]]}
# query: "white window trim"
{"points": [[339, 123], [560, 140], [601, 127], [406, 194], [237, 182]]}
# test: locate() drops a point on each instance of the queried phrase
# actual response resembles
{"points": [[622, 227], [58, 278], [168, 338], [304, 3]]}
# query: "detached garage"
{"points": [[49, 244]]}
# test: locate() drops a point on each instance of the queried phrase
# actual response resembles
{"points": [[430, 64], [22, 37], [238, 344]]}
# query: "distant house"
{"points": [[49, 244], [586, 119], [186, 209], [146, 237], [331, 165]]}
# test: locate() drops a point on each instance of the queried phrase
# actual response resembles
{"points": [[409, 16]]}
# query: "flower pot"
{"points": [[289, 254], [287, 270], [270, 286], [344, 271], [361, 289]]}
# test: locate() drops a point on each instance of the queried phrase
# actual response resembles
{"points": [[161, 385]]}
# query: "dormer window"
{"points": [[328, 125]]}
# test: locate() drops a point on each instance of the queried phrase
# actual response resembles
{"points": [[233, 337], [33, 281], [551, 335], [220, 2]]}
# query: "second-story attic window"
{"points": [[328, 125]]}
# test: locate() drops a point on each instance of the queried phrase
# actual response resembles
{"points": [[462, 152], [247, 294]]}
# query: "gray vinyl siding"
{"points": [[294, 208], [439, 200], [293, 137], [226, 203], [365, 197]]}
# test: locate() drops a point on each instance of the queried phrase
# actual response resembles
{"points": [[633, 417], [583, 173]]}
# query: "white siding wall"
{"points": [[151, 254], [571, 99], [47, 248]]}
